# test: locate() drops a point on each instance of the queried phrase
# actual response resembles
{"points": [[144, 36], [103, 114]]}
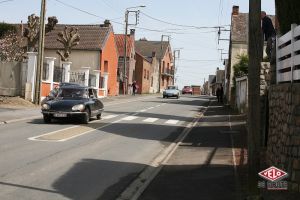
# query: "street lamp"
{"points": [[125, 84]]}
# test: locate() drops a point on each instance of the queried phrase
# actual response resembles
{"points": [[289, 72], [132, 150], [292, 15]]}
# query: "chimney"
{"points": [[106, 23], [153, 54], [132, 32], [235, 10]]}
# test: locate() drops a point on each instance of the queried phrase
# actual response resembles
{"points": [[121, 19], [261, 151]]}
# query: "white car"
{"points": [[171, 91]]}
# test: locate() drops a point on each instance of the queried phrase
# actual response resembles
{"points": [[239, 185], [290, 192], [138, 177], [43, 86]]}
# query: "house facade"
{"points": [[130, 61], [144, 74], [93, 61], [163, 72]]}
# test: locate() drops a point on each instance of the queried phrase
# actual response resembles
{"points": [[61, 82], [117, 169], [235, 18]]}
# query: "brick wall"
{"points": [[283, 147]]}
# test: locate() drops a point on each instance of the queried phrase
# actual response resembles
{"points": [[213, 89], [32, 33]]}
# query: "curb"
{"points": [[18, 120]]}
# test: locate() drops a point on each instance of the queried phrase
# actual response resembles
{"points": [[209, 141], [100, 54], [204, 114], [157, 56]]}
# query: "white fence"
{"points": [[288, 56], [242, 94]]}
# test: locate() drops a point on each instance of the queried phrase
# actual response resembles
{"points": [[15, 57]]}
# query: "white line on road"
{"points": [[144, 110], [110, 116], [129, 118], [172, 121], [150, 120]]}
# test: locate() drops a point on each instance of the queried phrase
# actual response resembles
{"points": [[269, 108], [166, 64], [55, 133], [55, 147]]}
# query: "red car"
{"points": [[187, 90]]}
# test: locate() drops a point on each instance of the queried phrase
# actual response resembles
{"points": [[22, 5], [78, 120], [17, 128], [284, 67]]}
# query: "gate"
{"points": [[77, 77]]}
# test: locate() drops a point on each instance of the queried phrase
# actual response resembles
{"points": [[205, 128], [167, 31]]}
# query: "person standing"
{"points": [[269, 33], [218, 93]]}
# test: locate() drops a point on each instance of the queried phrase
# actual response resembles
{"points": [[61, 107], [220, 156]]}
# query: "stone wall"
{"points": [[283, 148]]}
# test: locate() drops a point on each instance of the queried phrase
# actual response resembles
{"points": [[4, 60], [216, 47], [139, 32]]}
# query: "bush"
{"points": [[6, 28]]}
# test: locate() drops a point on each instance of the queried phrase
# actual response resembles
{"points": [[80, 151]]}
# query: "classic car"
{"points": [[73, 101], [171, 91]]}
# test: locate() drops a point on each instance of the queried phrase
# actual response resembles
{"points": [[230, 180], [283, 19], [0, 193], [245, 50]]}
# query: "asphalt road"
{"points": [[65, 160]]}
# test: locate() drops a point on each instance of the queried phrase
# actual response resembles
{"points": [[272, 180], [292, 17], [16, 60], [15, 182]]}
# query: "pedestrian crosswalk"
{"points": [[143, 119]]}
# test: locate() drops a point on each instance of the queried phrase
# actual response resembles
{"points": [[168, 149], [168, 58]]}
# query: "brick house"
{"points": [[163, 71], [130, 59], [96, 54], [143, 73]]}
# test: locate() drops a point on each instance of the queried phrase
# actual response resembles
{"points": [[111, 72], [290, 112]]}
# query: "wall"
{"points": [[155, 76], [11, 79], [283, 147], [143, 83], [79, 59], [109, 53], [165, 81], [242, 94]]}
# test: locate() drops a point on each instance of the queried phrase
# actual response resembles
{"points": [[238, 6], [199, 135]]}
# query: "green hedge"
{"points": [[288, 12], [4, 28]]}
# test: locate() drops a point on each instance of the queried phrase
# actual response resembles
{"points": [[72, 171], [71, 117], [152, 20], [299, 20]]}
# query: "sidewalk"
{"points": [[207, 164], [10, 114]]}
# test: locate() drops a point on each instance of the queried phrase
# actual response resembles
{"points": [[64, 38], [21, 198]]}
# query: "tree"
{"points": [[32, 30], [11, 48], [6, 28], [69, 37]]}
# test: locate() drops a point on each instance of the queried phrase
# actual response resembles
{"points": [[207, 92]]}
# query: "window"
{"points": [[145, 73], [163, 68], [105, 66], [151, 81]]}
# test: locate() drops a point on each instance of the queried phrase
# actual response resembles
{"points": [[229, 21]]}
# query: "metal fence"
{"points": [[58, 74], [77, 77]]}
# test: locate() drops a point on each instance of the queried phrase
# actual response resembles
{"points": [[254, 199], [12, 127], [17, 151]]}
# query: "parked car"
{"points": [[73, 101], [171, 91], [187, 90]]}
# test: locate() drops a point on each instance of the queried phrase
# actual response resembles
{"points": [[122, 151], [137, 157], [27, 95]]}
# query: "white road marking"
{"points": [[144, 110], [109, 116], [172, 121], [35, 137], [150, 108], [129, 118], [150, 120]]}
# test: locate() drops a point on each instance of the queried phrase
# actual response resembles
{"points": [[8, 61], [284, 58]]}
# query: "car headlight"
{"points": [[79, 107], [45, 106]]}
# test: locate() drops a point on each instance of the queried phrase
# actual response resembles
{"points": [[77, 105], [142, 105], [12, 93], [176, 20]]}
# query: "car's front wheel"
{"points": [[86, 117], [47, 119]]}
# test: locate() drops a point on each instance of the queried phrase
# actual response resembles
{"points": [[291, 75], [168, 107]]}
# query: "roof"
{"points": [[146, 48], [120, 44], [239, 27], [92, 37]]}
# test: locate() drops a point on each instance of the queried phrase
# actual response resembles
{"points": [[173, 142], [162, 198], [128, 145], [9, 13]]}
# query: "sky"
{"points": [[187, 23]]}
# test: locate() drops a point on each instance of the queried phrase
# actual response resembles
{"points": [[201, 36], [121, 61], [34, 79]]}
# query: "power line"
{"points": [[6, 1], [181, 25], [198, 60]]}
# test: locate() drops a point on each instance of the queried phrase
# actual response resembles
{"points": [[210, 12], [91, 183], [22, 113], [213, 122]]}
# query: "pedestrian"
{"points": [[218, 93], [268, 32], [221, 94], [133, 88]]}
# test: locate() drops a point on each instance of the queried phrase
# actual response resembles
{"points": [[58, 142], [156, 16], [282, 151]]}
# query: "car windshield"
{"points": [[171, 88], [72, 93]]}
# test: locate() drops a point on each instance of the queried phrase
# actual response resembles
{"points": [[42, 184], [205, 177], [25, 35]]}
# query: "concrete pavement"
{"points": [[208, 163]]}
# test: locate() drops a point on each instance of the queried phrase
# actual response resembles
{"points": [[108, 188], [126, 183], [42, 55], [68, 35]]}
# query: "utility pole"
{"points": [[127, 12], [174, 65], [255, 49], [39, 70]]}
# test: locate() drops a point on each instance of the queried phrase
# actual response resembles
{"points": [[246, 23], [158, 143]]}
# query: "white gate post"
{"points": [[66, 74], [105, 82], [86, 71], [97, 73], [31, 75], [50, 63]]}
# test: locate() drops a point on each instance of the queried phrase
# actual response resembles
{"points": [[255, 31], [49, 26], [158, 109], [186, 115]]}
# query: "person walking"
{"points": [[133, 88], [221, 94], [269, 33], [218, 93]]}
